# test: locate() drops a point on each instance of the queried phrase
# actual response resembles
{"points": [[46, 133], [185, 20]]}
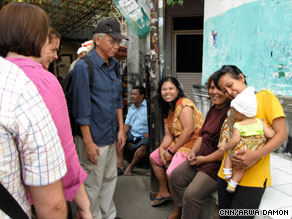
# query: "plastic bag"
{"points": [[135, 15]]}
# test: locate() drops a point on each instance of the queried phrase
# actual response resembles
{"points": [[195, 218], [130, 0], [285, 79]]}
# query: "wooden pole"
{"points": [[155, 71]]}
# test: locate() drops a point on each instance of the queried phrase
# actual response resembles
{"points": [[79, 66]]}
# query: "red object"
{"points": [[122, 53]]}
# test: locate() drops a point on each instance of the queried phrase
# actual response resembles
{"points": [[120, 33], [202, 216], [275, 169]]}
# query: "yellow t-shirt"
{"points": [[269, 108]]}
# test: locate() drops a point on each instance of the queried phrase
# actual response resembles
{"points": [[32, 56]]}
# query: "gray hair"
{"points": [[99, 35]]}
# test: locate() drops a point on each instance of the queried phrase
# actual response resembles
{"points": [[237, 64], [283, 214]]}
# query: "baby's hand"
{"points": [[222, 146]]}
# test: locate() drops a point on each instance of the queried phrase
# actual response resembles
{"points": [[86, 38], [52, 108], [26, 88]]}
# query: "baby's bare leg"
{"points": [[238, 174], [228, 163], [227, 170]]}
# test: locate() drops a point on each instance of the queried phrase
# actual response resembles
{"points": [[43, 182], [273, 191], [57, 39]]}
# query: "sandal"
{"points": [[160, 201]]}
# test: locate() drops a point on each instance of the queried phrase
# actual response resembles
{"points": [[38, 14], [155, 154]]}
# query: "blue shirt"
{"points": [[97, 107], [137, 119]]}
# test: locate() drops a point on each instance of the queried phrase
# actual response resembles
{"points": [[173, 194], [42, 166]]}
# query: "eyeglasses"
{"points": [[112, 42]]}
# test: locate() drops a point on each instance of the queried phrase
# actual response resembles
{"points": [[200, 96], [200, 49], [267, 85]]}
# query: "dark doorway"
{"points": [[189, 52]]}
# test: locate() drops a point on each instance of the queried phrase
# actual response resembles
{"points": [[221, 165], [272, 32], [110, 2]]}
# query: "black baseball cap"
{"points": [[111, 27]]}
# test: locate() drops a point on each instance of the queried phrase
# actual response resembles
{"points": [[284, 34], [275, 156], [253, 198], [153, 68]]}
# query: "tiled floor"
{"points": [[278, 197]]}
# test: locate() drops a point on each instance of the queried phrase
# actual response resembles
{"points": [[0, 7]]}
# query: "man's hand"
{"points": [[146, 135], [222, 146], [244, 158], [92, 151], [121, 139]]}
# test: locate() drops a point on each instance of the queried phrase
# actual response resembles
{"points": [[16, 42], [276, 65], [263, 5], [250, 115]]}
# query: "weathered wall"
{"points": [[255, 35]]}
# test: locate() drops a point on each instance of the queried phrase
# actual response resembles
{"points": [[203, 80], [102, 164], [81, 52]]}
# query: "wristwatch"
{"points": [[169, 151]]}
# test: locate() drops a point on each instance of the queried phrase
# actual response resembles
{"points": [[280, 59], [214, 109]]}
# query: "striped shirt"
{"points": [[30, 149]]}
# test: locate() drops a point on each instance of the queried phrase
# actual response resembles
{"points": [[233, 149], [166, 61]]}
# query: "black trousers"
{"points": [[242, 198]]}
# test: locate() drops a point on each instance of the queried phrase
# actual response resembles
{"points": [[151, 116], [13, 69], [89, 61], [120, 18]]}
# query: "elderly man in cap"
{"points": [[98, 111]]}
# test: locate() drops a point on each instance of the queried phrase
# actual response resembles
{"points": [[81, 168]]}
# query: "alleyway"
{"points": [[132, 197]]}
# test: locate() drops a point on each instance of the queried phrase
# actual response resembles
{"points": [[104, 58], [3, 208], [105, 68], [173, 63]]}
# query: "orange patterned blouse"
{"points": [[175, 126]]}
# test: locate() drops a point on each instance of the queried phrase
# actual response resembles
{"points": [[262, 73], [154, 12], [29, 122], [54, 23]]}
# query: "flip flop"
{"points": [[160, 201]]}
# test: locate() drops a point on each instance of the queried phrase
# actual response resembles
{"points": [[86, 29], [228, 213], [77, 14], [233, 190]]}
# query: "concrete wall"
{"points": [[255, 35], [189, 8]]}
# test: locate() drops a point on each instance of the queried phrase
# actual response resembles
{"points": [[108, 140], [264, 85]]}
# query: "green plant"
{"points": [[173, 2]]}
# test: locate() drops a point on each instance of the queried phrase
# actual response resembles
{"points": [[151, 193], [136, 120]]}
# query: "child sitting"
{"points": [[248, 133]]}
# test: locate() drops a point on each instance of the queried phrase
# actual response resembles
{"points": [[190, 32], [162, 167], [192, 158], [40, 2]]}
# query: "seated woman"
{"points": [[182, 123], [196, 178], [232, 82]]}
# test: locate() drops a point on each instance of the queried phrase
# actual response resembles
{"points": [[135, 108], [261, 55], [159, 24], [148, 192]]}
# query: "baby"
{"points": [[248, 133]]}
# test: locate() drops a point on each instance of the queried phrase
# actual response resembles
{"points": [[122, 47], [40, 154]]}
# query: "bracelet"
{"points": [[169, 151]]}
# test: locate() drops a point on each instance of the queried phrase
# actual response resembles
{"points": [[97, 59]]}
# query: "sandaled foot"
{"points": [[158, 201]]}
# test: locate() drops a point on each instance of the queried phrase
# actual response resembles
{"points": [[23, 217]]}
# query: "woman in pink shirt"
{"points": [[26, 50]]}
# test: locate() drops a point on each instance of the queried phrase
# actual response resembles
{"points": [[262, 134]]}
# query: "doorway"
{"points": [[188, 51]]}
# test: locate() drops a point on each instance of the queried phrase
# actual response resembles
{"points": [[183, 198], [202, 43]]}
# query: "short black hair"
{"points": [[141, 89]]}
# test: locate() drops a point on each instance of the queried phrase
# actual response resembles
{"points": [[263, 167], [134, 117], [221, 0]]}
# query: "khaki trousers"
{"points": [[101, 180]]}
